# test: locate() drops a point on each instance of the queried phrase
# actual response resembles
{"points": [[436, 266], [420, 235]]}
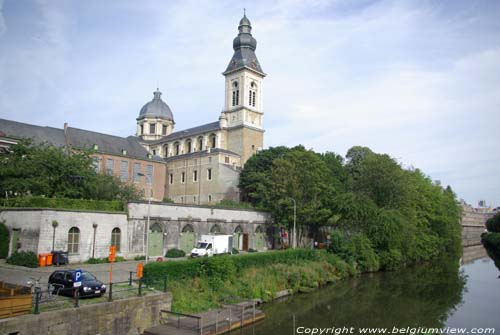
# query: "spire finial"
{"points": [[244, 12]]}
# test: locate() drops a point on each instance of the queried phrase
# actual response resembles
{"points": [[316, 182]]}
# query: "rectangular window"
{"points": [[195, 175], [253, 99], [171, 178], [96, 161], [149, 174], [152, 127], [110, 166], [209, 174], [164, 130], [183, 177], [142, 129], [250, 98], [137, 170], [226, 160], [124, 171]]}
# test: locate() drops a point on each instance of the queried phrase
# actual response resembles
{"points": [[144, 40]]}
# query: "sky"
{"points": [[418, 80]]}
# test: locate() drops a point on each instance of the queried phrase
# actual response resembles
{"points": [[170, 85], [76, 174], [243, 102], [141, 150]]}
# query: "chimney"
{"points": [[66, 137]]}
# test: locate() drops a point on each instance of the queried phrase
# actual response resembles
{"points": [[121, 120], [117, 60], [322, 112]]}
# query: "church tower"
{"points": [[242, 113]]}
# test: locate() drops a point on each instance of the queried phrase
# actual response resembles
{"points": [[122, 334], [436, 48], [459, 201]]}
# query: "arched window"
{"points": [[259, 230], [156, 228], [116, 237], [188, 229], [165, 150], [252, 94], [215, 229], [213, 140], [200, 143], [73, 240], [238, 230], [188, 146], [177, 148], [236, 94]]}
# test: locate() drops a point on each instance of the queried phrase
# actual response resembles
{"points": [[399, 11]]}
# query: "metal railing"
{"points": [[51, 297]]}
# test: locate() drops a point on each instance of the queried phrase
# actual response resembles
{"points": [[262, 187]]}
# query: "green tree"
{"points": [[43, 170]]}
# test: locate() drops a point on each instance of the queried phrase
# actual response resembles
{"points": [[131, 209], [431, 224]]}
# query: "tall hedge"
{"points": [[220, 266], [64, 203], [4, 240]]}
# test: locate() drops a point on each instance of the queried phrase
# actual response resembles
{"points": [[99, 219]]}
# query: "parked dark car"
{"points": [[62, 282]]}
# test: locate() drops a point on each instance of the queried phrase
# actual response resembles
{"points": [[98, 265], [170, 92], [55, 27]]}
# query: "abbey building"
{"points": [[199, 165], [203, 163]]}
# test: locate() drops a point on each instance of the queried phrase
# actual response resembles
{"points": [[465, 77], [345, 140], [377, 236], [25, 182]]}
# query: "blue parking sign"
{"points": [[77, 278]]}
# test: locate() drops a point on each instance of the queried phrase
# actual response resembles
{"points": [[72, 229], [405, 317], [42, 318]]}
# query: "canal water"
{"points": [[448, 293]]}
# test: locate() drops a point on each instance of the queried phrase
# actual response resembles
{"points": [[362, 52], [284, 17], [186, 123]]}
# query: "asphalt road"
{"points": [[21, 275]]}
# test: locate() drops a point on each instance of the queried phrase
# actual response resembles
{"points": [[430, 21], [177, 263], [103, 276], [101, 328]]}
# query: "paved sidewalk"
{"points": [[20, 275]]}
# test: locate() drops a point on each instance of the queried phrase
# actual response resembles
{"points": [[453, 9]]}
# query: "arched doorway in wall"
{"points": [[260, 240], [215, 229], [187, 239], [238, 238], [155, 240]]}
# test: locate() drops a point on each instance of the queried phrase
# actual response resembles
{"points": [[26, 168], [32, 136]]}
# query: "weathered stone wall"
{"points": [[473, 225], [121, 317], [36, 231], [173, 218]]}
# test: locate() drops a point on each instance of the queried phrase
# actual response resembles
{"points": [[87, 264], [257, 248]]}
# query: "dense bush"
{"points": [[492, 242], [24, 258], [493, 224], [4, 240], [355, 248], [77, 204], [175, 253]]}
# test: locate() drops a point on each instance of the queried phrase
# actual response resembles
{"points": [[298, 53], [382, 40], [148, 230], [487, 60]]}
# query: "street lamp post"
{"points": [[294, 245], [148, 182]]}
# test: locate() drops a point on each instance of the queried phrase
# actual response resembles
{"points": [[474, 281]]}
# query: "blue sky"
{"points": [[419, 80]]}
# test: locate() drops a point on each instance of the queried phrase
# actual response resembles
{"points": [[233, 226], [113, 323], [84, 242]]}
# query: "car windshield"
{"points": [[87, 276], [201, 245]]}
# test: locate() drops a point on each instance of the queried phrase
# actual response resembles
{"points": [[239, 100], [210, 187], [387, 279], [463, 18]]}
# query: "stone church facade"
{"points": [[204, 162]]}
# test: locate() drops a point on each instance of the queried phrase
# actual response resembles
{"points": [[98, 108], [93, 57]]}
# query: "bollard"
{"points": [[37, 301], [165, 284], [253, 310], [140, 286], [75, 294], [130, 279]]}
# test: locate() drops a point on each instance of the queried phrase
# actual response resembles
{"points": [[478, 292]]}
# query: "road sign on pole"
{"points": [[77, 278]]}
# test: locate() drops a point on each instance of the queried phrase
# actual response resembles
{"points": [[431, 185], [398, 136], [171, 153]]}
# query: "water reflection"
{"points": [[423, 296]]}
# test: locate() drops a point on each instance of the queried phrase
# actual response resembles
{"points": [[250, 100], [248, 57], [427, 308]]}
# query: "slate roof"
{"points": [[156, 108], [110, 144], [244, 46], [39, 134], [187, 133], [77, 138]]}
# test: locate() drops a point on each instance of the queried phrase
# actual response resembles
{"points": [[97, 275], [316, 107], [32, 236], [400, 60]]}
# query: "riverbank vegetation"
{"points": [[491, 239], [203, 283], [372, 213], [378, 214]]}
